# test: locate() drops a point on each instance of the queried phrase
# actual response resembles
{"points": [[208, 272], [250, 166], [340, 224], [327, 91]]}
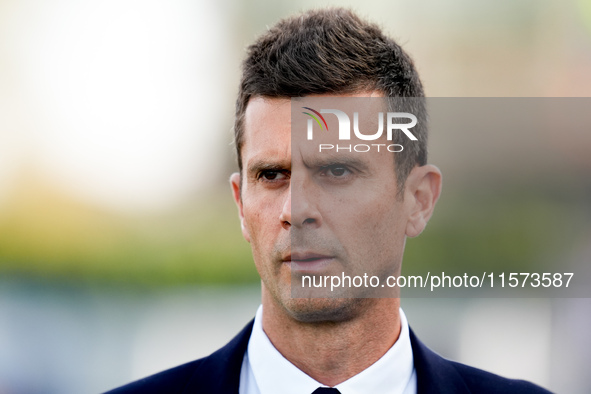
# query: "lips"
{"points": [[308, 261], [306, 257]]}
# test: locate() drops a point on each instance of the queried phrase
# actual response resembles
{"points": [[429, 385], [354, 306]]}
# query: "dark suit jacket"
{"points": [[219, 373]]}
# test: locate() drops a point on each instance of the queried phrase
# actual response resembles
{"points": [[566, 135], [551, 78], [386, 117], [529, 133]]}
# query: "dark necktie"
{"points": [[326, 390]]}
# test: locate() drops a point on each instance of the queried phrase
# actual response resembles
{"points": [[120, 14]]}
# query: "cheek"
{"points": [[256, 235], [250, 223], [379, 231], [258, 225]]}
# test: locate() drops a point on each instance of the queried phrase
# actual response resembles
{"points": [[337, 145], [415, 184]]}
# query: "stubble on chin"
{"points": [[324, 310]]}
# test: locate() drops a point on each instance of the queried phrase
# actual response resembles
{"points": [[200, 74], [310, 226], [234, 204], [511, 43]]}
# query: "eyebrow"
{"points": [[267, 165], [319, 161]]}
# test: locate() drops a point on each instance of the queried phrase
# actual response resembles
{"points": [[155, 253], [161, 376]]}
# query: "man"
{"points": [[308, 214]]}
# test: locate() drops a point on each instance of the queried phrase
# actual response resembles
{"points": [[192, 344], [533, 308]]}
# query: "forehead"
{"points": [[268, 139], [264, 111], [267, 130]]}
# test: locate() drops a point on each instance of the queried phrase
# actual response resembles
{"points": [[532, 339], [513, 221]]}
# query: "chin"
{"points": [[324, 310]]}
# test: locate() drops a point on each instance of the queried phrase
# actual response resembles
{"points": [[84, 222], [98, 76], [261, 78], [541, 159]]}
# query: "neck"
{"points": [[333, 351]]}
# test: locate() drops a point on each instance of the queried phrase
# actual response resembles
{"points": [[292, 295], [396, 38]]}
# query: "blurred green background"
{"points": [[115, 134], [120, 247]]}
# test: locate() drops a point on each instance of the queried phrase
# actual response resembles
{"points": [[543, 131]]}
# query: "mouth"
{"points": [[308, 262]]}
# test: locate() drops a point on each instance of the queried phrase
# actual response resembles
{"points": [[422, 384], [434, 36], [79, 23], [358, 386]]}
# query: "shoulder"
{"points": [[484, 382], [170, 381], [435, 374], [216, 373]]}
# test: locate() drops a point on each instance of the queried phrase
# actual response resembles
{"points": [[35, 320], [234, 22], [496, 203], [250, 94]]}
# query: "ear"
{"points": [[422, 190], [235, 183]]}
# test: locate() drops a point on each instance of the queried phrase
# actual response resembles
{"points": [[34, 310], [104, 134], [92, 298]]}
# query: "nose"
{"points": [[300, 208]]}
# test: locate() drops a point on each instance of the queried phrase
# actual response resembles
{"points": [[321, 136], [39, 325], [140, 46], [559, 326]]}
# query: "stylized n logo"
{"points": [[344, 122], [310, 124]]}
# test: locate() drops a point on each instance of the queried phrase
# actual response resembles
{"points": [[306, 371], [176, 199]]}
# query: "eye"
{"points": [[272, 175], [336, 171]]}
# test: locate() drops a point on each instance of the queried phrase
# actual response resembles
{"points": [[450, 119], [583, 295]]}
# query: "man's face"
{"points": [[324, 213]]}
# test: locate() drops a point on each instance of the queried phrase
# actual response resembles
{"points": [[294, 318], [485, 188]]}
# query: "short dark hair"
{"points": [[333, 51]]}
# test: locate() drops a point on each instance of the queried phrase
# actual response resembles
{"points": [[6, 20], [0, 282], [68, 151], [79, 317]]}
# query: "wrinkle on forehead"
{"points": [[267, 129]]}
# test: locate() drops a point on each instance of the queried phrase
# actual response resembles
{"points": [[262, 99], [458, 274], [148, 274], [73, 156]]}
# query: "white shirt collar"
{"points": [[265, 370]]}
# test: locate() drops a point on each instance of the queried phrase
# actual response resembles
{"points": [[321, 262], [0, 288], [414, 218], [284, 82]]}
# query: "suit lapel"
{"points": [[220, 372], [434, 373]]}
